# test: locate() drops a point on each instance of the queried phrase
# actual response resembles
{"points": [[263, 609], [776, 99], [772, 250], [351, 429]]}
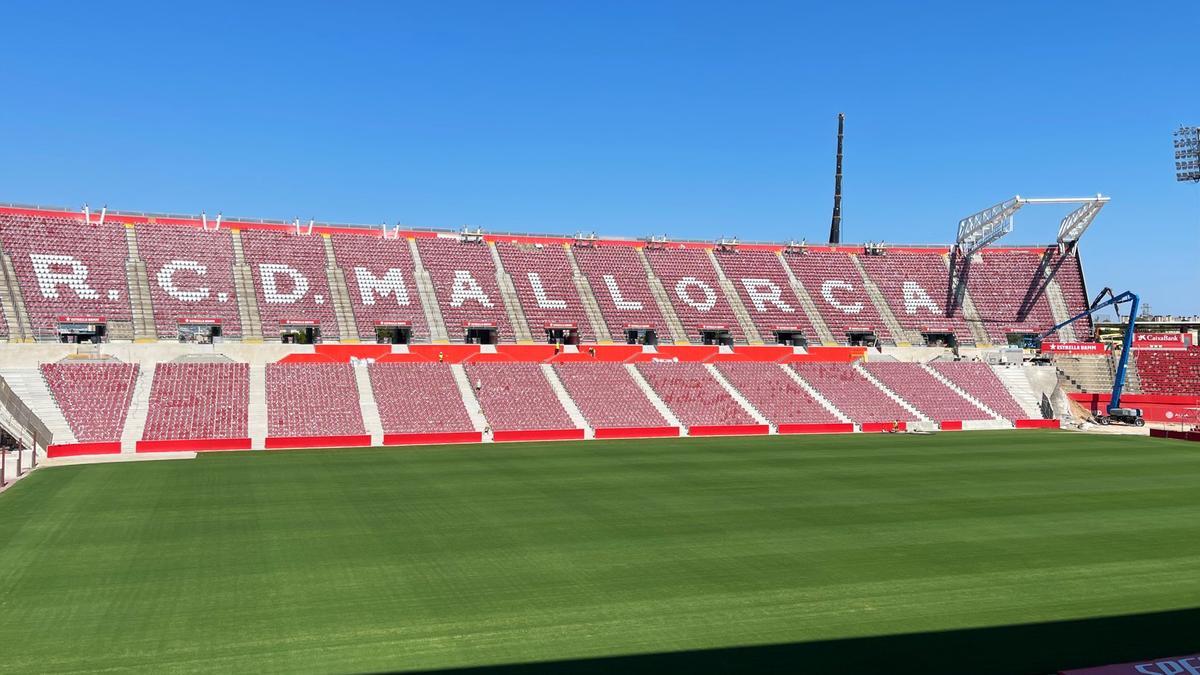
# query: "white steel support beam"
{"points": [[1077, 222], [980, 229]]}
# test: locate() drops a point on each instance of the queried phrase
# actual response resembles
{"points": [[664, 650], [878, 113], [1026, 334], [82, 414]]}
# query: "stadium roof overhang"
{"points": [[989, 225]]}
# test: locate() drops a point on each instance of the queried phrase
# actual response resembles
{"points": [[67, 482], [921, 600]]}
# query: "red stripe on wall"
{"points": [[433, 439], [729, 430], [194, 445], [76, 449], [279, 442], [538, 435], [882, 426], [816, 428], [637, 432], [1038, 424], [950, 425]]}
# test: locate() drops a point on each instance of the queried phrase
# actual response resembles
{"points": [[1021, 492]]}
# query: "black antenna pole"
{"points": [[835, 227]]}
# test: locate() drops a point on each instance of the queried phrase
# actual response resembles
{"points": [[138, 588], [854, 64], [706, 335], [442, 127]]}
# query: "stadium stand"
{"points": [[693, 395], [775, 394], [381, 284], [979, 380], [545, 286], [1172, 373], [1068, 273], [1009, 292], [517, 396], [191, 277], [93, 397], [916, 287], [836, 288], [924, 392], [67, 267], [312, 399], [607, 395], [851, 393], [291, 284], [766, 293], [465, 279], [418, 398], [198, 400], [695, 291], [618, 280]]}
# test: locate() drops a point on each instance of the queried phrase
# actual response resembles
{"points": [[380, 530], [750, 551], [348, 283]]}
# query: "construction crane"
{"points": [[1114, 411]]}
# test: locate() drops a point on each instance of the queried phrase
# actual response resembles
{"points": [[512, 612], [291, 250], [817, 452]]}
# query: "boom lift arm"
{"points": [[1114, 409]]}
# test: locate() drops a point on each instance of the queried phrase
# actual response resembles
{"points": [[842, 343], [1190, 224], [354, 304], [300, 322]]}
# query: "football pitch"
{"points": [[1004, 552]]}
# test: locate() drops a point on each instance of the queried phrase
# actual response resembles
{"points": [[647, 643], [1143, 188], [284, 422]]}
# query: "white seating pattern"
{"points": [[633, 303], [198, 400], [916, 287], [418, 398], [559, 299], [924, 392], [694, 289], [464, 278], [182, 291], [607, 395], [93, 397], [979, 380], [774, 394], [517, 396], [762, 272], [312, 399], [836, 288], [378, 257], [856, 396], [306, 255], [693, 394]]}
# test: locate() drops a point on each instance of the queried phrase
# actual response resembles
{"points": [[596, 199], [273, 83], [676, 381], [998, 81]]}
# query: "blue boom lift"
{"points": [[1115, 413]]}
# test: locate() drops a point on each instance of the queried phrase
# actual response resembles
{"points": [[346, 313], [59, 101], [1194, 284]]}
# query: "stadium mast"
{"points": [[835, 227]]}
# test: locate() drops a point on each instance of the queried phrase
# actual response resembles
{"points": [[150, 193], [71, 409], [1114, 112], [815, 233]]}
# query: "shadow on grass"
{"points": [[1033, 649]]}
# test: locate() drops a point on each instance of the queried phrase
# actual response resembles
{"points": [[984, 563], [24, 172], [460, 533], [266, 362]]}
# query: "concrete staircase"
{"points": [[1058, 307], [474, 410], [343, 308], [1018, 385], [429, 303], [258, 407], [891, 394], [655, 401], [962, 299], [590, 307], [956, 389], [567, 402], [1085, 374], [900, 337], [512, 302], [678, 334], [737, 396], [139, 407], [243, 281], [13, 303], [735, 302], [140, 302], [825, 403], [367, 404], [29, 386], [810, 308]]}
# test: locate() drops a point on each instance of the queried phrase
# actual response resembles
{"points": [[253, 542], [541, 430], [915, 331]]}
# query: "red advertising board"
{"points": [[1166, 341], [1171, 665], [1074, 348]]}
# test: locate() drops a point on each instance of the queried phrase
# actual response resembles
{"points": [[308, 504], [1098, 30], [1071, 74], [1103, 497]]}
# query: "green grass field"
{"points": [[428, 558]]}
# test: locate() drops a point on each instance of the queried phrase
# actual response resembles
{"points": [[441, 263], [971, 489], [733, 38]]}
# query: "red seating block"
{"points": [[916, 287], [622, 289], [837, 290], [545, 286], [313, 399], [693, 394], [856, 396], [290, 280], [925, 392], [379, 278], [418, 398], [517, 396], [191, 277], [607, 395], [198, 400], [694, 289], [93, 397], [775, 394], [980, 381], [1172, 373], [766, 292], [464, 278]]}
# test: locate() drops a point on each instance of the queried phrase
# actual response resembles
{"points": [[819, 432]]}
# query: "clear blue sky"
{"points": [[691, 119]]}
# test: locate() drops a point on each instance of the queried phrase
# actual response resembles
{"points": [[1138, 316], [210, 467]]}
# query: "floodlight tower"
{"points": [[1187, 154]]}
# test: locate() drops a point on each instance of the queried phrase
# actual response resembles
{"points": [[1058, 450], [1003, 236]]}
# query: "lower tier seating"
{"points": [[856, 396], [418, 398], [924, 392], [517, 396], [198, 400], [312, 399], [775, 394], [979, 380], [93, 397], [1172, 373], [607, 395], [693, 394]]}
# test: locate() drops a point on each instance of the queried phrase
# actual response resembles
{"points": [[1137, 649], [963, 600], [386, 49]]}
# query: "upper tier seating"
{"points": [[464, 278], [836, 288], [290, 280], [766, 292], [517, 397], [545, 286], [695, 291], [607, 395], [93, 397], [693, 394], [418, 398], [312, 399], [198, 400], [379, 278], [979, 380], [618, 280], [1173, 373], [856, 396], [191, 277], [82, 268], [924, 392], [916, 287], [1008, 291], [775, 394], [1069, 275]]}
